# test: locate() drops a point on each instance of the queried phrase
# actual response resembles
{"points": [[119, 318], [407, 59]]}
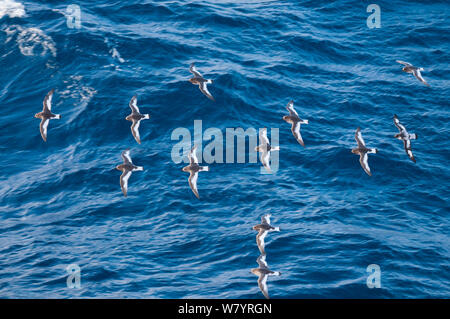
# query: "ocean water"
{"points": [[61, 203]]}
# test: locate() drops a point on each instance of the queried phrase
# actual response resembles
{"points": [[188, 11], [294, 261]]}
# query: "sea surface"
{"points": [[61, 202]]}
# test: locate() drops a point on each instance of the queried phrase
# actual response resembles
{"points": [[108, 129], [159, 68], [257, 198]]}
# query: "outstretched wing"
{"points": [[193, 183], [266, 219], [135, 131], [418, 75], [126, 157], [192, 156], [407, 144], [397, 123], [265, 158], [290, 108], [133, 104], [263, 136], [262, 261], [47, 103], [43, 128], [262, 284], [404, 63], [124, 181], [194, 71], [260, 241], [364, 160], [296, 132], [359, 139], [204, 89]]}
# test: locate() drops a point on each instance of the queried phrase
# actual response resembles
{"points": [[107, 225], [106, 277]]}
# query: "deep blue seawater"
{"points": [[61, 203]]}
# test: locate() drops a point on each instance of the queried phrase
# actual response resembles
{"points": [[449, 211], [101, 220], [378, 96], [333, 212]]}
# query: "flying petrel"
{"points": [[136, 118], [193, 168], [405, 137], [263, 229], [46, 115], [127, 169], [363, 151], [263, 272], [199, 80], [295, 120], [264, 148], [409, 68]]}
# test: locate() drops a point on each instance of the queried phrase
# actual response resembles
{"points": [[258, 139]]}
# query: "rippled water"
{"points": [[61, 204]]}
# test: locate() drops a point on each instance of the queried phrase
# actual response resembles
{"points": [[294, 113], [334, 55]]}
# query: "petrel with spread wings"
{"points": [[193, 168], [265, 148], [295, 121], [405, 137], [409, 68], [363, 151], [46, 115], [199, 80], [136, 118], [263, 229], [127, 169], [263, 272]]}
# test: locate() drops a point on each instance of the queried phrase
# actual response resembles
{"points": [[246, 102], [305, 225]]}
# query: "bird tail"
{"points": [[373, 151], [413, 136], [209, 81], [138, 168], [204, 168], [305, 122], [421, 69], [57, 116], [276, 229], [275, 148], [146, 116]]}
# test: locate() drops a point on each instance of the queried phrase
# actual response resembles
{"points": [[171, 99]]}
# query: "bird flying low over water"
{"points": [[405, 137], [199, 80], [295, 120], [46, 115], [264, 148], [363, 151], [409, 68], [263, 229], [127, 169], [136, 118], [193, 168], [263, 272]]}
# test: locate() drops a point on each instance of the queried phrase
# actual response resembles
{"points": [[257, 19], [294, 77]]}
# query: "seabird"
{"points": [[265, 148], [199, 80], [127, 169], [405, 137], [295, 120], [263, 229], [46, 115], [263, 272], [363, 151], [193, 168], [136, 118], [409, 68]]}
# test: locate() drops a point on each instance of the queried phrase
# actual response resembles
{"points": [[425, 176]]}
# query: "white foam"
{"points": [[12, 9], [116, 55], [31, 41]]}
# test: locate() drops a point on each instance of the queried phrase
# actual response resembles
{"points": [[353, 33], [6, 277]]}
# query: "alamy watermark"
{"points": [[74, 278], [374, 279], [374, 20], [231, 149], [73, 16]]}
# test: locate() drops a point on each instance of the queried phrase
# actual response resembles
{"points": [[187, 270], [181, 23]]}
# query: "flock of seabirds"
{"points": [[127, 168]]}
